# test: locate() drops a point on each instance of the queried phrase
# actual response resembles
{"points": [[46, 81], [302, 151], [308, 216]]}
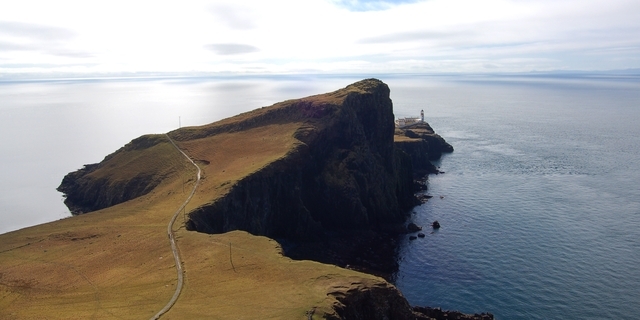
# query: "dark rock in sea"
{"points": [[426, 313], [412, 238], [421, 235], [412, 227], [423, 197], [436, 224]]}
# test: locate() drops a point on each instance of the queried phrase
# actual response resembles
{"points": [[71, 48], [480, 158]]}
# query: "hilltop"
{"points": [[298, 171]]}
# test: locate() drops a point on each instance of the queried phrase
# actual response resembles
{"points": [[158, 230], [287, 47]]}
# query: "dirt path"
{"points": [[174, 247]]}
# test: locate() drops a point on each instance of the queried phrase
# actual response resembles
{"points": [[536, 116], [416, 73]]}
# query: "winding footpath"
{"points": [[174, 247]]}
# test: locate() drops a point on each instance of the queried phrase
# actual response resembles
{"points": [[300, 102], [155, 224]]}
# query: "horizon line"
{"points": [[153, 75]]}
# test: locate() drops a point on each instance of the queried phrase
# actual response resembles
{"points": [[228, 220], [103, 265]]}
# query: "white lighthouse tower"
{"points": [[406, 122]]}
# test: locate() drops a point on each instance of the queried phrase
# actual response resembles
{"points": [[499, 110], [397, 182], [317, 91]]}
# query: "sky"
{"points": [[61, 37]]}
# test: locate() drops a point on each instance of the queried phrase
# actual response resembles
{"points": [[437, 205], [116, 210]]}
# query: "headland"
{"points": [[316, 172]]}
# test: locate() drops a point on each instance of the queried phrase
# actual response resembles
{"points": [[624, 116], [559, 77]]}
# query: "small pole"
{"points": [[231, 259], [179, 122]]}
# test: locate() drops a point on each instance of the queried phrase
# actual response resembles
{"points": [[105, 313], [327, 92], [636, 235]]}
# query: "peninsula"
{"points": [[299, 172]]}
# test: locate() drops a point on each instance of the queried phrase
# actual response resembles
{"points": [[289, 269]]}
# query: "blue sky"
{"points": [[317, 36]]}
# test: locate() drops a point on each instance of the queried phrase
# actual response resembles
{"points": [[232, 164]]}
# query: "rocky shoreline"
{"points": [[426, 313]]}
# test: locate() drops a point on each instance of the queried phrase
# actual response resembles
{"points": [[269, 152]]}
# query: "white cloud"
{"points": [[370, 5], [33, 31], [318, 35], [231, 48], [235, 17]]}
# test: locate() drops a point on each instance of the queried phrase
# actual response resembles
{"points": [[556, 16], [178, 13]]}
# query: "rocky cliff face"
{"points": [[345, 174], [121, 176], [368, 300], [422, 144], [371, 301]]}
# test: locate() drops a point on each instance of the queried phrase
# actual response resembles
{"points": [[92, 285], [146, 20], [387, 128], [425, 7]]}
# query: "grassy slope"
{"points": [[103, 264], [116, 262]]}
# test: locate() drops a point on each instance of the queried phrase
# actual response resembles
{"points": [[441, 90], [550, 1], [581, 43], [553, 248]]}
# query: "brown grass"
{"points": [[117, 263], [398, 138]]}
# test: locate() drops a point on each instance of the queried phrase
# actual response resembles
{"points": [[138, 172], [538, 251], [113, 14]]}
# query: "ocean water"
{"points": [[540, 212]]}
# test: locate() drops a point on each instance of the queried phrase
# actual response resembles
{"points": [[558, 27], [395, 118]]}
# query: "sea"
{"points": [[539, 204]]}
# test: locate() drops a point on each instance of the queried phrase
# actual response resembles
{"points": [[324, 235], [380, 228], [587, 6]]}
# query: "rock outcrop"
{"points": [[422, 144], [426, 313], [120, 177], [371, 301]]}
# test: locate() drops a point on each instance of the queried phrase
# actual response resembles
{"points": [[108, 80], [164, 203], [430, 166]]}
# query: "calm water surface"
{"points": [[541, 210]]}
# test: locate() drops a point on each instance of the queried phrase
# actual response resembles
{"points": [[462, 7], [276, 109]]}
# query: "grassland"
{"points": [[116, 263]]}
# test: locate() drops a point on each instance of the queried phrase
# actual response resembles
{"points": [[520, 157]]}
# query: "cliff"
{"points": [[422, 144], [344, 173], [123, 175]]}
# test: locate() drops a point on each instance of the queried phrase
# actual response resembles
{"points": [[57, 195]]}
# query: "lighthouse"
{"points": [[406, 122]]}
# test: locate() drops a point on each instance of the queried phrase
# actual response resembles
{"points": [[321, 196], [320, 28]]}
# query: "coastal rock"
{"points": [[412, 227], [423, 198], [426, 313], [422, 144], [436, 224], [374, 301]]}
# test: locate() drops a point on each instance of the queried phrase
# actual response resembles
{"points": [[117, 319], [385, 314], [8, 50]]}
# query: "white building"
{"points": [[405, 122]]}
